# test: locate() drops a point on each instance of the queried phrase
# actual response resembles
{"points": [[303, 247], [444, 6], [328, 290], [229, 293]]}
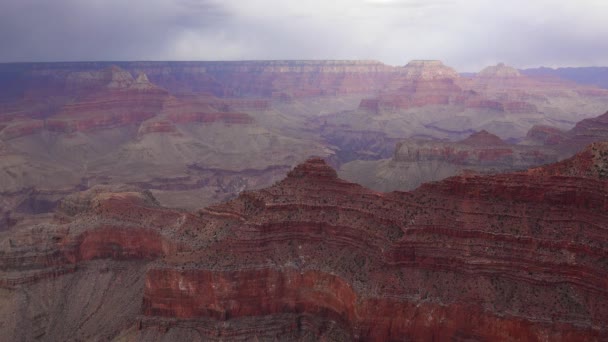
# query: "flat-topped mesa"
{"points": [[298, 66], [428, 70], [499, 71], [313, 168], [483, 138]]}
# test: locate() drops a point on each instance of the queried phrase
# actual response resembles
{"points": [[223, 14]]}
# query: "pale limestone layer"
{"points": [[428, 70], [499, 71]]}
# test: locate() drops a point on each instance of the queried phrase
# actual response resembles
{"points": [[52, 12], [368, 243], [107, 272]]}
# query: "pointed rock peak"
{"points": [[499, 71], [143, 83], [314, 168], [428, 70], [118, 78], [483, 138], [142, 78]]}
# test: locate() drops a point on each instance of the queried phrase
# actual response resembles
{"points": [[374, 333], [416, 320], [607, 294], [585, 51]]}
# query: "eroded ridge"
{"points": [[518, 256]]}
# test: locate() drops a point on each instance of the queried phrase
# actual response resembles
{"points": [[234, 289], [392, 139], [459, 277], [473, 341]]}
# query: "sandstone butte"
{"points": [[498, 88], [510, 257]]}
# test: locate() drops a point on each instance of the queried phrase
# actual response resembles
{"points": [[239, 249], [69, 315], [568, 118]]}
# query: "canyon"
{"points": [[417, 161], [301, 200], [515, 256]]}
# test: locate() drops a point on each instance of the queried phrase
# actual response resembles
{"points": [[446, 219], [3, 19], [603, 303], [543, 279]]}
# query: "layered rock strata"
{"points": [[517, 256], [415, 162]]}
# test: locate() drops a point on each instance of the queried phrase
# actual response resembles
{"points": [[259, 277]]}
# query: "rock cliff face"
{"points": [[121, 101], [545, 135], [517, 256], [590, 163], [569, 142], [419, 161], [422, 83], [224, 79], [498, 88], [589, 130]]}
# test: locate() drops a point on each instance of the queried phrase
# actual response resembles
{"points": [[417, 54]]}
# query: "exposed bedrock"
{"points": [[518, 256], [508, 257]]}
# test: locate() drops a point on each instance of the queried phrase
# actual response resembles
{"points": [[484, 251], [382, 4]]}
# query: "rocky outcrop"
{"points": [[415, 162], [425, 70], [569, 142], [545, 135], [422, 83], [438, 253], [592, 162], [122, 101], [224, 79], [589, 130], [483, 139], [90, 225], [510, 257], [499, 71]]}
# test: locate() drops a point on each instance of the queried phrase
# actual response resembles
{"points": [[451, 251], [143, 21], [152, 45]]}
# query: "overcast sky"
{"points": [[465, 34]]}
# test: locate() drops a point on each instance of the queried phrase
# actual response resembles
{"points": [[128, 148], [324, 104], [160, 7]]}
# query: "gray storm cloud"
{"points": [[467, 34]]}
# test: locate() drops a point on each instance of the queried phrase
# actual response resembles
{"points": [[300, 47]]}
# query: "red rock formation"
{"points": [[567, 143], [499, 71], [206, 109], [300, 78], [470, 257], [264, 78], [545, 135], [483, 139], [592, 162], [507, 257], [123, 101], [481, 149], [422, 83], [590, 130]]}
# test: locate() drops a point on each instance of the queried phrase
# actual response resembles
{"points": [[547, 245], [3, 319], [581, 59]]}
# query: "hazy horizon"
{"points": [[466, 35], [289, 60]]}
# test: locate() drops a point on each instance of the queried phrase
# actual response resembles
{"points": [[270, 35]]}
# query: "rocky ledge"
{"points": [[518, 256]]}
